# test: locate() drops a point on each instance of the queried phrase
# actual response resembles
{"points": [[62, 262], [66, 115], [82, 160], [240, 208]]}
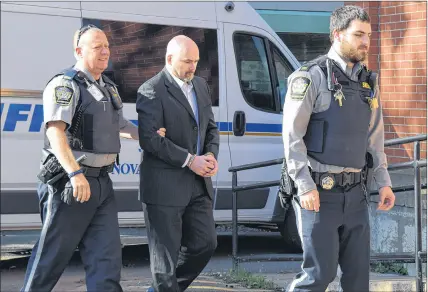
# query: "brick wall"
{"points": [[137, 53], [398, 53]]}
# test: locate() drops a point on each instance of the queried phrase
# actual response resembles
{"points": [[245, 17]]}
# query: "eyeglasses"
{"points": [[82, 30]]}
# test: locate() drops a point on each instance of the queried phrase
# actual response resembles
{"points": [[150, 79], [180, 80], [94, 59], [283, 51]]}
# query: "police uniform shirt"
{"points": [[60, 99], [316, 98]]}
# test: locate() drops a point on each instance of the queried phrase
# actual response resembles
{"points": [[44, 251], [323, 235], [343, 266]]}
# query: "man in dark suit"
{"points": [[175, 177]]}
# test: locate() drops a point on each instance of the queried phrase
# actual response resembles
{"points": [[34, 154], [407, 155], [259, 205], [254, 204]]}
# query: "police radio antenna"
{"points": [[330, 84]]}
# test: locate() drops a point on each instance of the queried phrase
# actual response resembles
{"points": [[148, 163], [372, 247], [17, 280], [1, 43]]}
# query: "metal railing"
{"points": [[417, 257]]}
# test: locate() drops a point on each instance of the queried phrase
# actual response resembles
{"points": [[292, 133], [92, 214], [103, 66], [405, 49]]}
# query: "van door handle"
{"points": [[239, 123]]}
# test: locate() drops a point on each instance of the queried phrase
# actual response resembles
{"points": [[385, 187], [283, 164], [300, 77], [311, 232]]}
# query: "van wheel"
{"points": [[289, 231]]}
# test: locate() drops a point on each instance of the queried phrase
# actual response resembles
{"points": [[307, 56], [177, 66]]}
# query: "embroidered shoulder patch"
{"points": [[299, 87], [63, 95]]}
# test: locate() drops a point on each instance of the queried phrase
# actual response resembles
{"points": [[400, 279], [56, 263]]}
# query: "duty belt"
{"points": [[327, 180], [97, 171]]}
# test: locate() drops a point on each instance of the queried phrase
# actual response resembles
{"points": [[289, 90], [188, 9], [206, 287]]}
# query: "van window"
{"points": [[137, 53], [283, 70], [253, 71]]}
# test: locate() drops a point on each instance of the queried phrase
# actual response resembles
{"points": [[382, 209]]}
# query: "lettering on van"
{"points": [[126, 169], [22, 113], [27, 117]]}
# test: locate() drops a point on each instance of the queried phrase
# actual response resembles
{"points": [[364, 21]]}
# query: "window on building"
{"points": [[253, 71], [137, 53], [306, 46]]}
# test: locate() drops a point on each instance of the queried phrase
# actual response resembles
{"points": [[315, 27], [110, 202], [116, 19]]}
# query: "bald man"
{"points": [[175, 177], [82, 116]]}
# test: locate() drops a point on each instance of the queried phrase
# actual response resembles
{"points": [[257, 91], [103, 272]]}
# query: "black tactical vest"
{"points": [[95, 124], [339, 135]]}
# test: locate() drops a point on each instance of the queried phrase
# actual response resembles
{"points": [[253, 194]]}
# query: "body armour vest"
{"points": [[339, 135], [95, 124]]}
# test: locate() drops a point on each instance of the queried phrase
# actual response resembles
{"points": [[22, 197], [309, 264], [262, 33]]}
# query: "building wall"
{"points": [[398, 53], [138, 53], [302, 26]]}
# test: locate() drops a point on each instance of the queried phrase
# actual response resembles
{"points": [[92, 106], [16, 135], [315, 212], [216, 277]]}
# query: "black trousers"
{"points": [[181, 240], [91, 226], [338, 234]]}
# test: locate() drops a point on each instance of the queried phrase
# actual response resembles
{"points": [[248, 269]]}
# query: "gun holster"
{"points": [[287, 188], [368, 171], [50, 167]]}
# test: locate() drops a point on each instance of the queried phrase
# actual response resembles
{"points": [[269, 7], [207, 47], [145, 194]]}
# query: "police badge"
{"points": [[327, 181], [365, 85]]}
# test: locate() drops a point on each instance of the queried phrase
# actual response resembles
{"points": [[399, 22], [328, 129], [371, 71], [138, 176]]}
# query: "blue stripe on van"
{"points": [[250, 127], [253, 127], [224, 126], [264, 128]]}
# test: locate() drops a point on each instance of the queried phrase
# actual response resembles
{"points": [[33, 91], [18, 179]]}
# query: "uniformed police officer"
{"points": [[332, 118], [82, 115]]}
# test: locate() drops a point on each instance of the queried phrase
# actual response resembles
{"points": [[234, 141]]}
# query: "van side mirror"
{"points": [[239, 123]]}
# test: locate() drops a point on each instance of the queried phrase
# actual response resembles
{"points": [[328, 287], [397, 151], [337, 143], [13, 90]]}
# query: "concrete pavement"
{"points": [[378, 282]]}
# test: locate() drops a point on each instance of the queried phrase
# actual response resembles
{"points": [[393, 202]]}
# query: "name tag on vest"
{"points": [[95, 92]]}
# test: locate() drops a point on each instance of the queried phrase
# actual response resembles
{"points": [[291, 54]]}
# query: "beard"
{"points": [[352, 54], [186, 77], [189, 76]]}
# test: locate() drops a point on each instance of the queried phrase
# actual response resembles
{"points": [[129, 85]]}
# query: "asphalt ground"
{"points": [[136, 266]]}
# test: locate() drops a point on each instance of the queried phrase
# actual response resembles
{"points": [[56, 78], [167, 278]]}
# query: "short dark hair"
{"points": [[342, 17]]}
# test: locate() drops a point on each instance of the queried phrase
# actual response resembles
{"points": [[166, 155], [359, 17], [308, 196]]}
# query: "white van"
{"points": [[244, 61]]}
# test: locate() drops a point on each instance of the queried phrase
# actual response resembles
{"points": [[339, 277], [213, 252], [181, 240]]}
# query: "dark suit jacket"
{"points": [[161, 103]]}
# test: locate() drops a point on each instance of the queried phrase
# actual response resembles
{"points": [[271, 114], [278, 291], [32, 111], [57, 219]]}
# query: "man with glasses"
{"points": [[332, 123], [83, 118]]}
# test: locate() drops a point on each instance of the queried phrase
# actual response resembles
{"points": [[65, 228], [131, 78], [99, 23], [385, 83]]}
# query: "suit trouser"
{"points": [[91, 226], [181, 240], [338, 234]]}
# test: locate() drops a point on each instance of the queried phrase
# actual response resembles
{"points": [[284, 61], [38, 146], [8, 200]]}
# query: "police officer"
{"points": [[82, 116], [332, 119]]}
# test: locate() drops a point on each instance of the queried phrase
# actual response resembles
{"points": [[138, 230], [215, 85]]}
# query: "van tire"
{"points": [[289, 231]]}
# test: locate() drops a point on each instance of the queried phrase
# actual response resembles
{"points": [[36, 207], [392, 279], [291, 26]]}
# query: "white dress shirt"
{"points": [[189, 93]]}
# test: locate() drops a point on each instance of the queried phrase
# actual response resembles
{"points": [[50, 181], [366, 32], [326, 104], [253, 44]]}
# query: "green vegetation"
{"points": [[387, 268], [246, 279]]}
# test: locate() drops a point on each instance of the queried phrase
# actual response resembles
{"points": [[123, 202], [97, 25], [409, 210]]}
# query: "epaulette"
{"points": [[305, 67], [70, 73]]}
